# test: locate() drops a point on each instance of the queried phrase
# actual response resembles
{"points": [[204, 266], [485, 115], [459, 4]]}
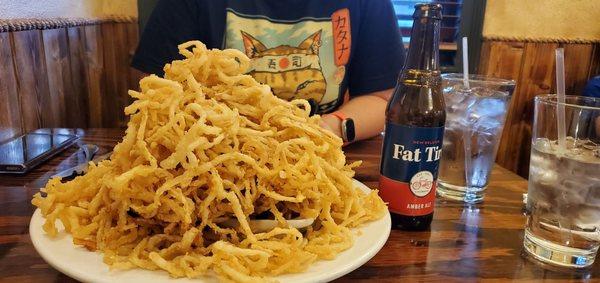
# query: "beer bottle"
{"points": [[414, 128]]}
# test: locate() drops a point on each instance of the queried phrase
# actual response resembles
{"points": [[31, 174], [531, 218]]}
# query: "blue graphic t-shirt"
{"points": [[592, 88], [311, 49]]}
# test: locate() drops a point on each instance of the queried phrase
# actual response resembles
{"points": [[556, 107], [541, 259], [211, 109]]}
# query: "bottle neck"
{"points": [[423, 52]]}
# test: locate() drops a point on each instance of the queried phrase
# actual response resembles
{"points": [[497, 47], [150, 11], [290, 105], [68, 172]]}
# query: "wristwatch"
{"points": [[347, 127]]}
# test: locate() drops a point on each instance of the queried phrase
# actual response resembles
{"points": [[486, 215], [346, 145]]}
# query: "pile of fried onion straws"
{"points": [[204, 144]]}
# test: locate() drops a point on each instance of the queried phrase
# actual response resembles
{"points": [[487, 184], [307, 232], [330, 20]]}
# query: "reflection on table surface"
{"points": [[30, 146]]}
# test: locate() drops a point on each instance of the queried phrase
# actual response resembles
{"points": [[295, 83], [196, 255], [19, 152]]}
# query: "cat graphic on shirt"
{"points": [[291, 72]]}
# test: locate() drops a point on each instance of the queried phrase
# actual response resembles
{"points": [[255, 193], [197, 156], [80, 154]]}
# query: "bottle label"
{"points": [[409, 168]]}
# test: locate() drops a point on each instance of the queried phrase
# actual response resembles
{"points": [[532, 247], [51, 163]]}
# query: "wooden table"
{"points": [[464, 244]]}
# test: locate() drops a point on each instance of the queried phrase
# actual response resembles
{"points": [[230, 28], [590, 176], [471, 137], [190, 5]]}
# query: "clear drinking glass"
{"points": [[563, 200], [474, 120]]}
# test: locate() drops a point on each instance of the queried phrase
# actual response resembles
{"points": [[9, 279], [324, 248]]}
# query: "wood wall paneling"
{"points": [[537, 76], [122, 64], [56, 50], [531, 65], [30, 68], [132, 42], [110, 110], [66, 77], [595, 65], [94, 69], [504, 60], [10, 116], [76, 103]]}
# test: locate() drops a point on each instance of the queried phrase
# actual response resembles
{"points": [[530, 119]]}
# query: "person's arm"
{"points": [[367, 112], [373, 71]]}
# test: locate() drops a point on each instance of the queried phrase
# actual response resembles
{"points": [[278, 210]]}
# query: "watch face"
{"points": [[348, 132]]}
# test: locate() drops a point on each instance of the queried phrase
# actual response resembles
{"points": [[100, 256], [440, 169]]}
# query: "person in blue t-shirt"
{"points": [[593, 87], [342, 56]]}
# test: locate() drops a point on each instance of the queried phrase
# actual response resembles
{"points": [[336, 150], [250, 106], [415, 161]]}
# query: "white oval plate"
{"points": [[81, 264]]}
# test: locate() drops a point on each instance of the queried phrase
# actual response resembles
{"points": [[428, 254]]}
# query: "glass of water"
{"points": [[563, 200], [474, 120]]}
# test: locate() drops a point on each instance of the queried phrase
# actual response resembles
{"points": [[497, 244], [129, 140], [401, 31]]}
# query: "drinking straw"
{"points": [[560, 94], [467, 133], [465, 57]]}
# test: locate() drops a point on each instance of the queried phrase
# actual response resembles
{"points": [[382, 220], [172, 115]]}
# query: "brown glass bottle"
{"points": [[415, 118]]}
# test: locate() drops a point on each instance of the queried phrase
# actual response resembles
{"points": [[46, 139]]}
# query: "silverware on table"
{"points": [[80, 169], [264, 225]]}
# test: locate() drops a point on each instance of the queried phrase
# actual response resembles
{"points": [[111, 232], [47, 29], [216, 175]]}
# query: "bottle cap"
{"points": [[433, 11]]}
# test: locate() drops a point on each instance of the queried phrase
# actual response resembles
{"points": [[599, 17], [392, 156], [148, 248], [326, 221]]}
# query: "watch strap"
{"points": [[344, 119], [340, 115]]}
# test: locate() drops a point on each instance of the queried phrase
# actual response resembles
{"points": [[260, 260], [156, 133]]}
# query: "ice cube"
{"points": [[487, 139], [482, 143], [482, 91], [575, 191], [588, 144], [493, 108], [488, 125], [457, 99], [593, 147], [593, 197], [540, 198], [455, 96], [588, 218], [543, 170], [583, 151], [454, 122], [543, 145]]}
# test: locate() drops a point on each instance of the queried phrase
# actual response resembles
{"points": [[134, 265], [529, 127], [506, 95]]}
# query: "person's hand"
{"points": [[332, 124]]}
